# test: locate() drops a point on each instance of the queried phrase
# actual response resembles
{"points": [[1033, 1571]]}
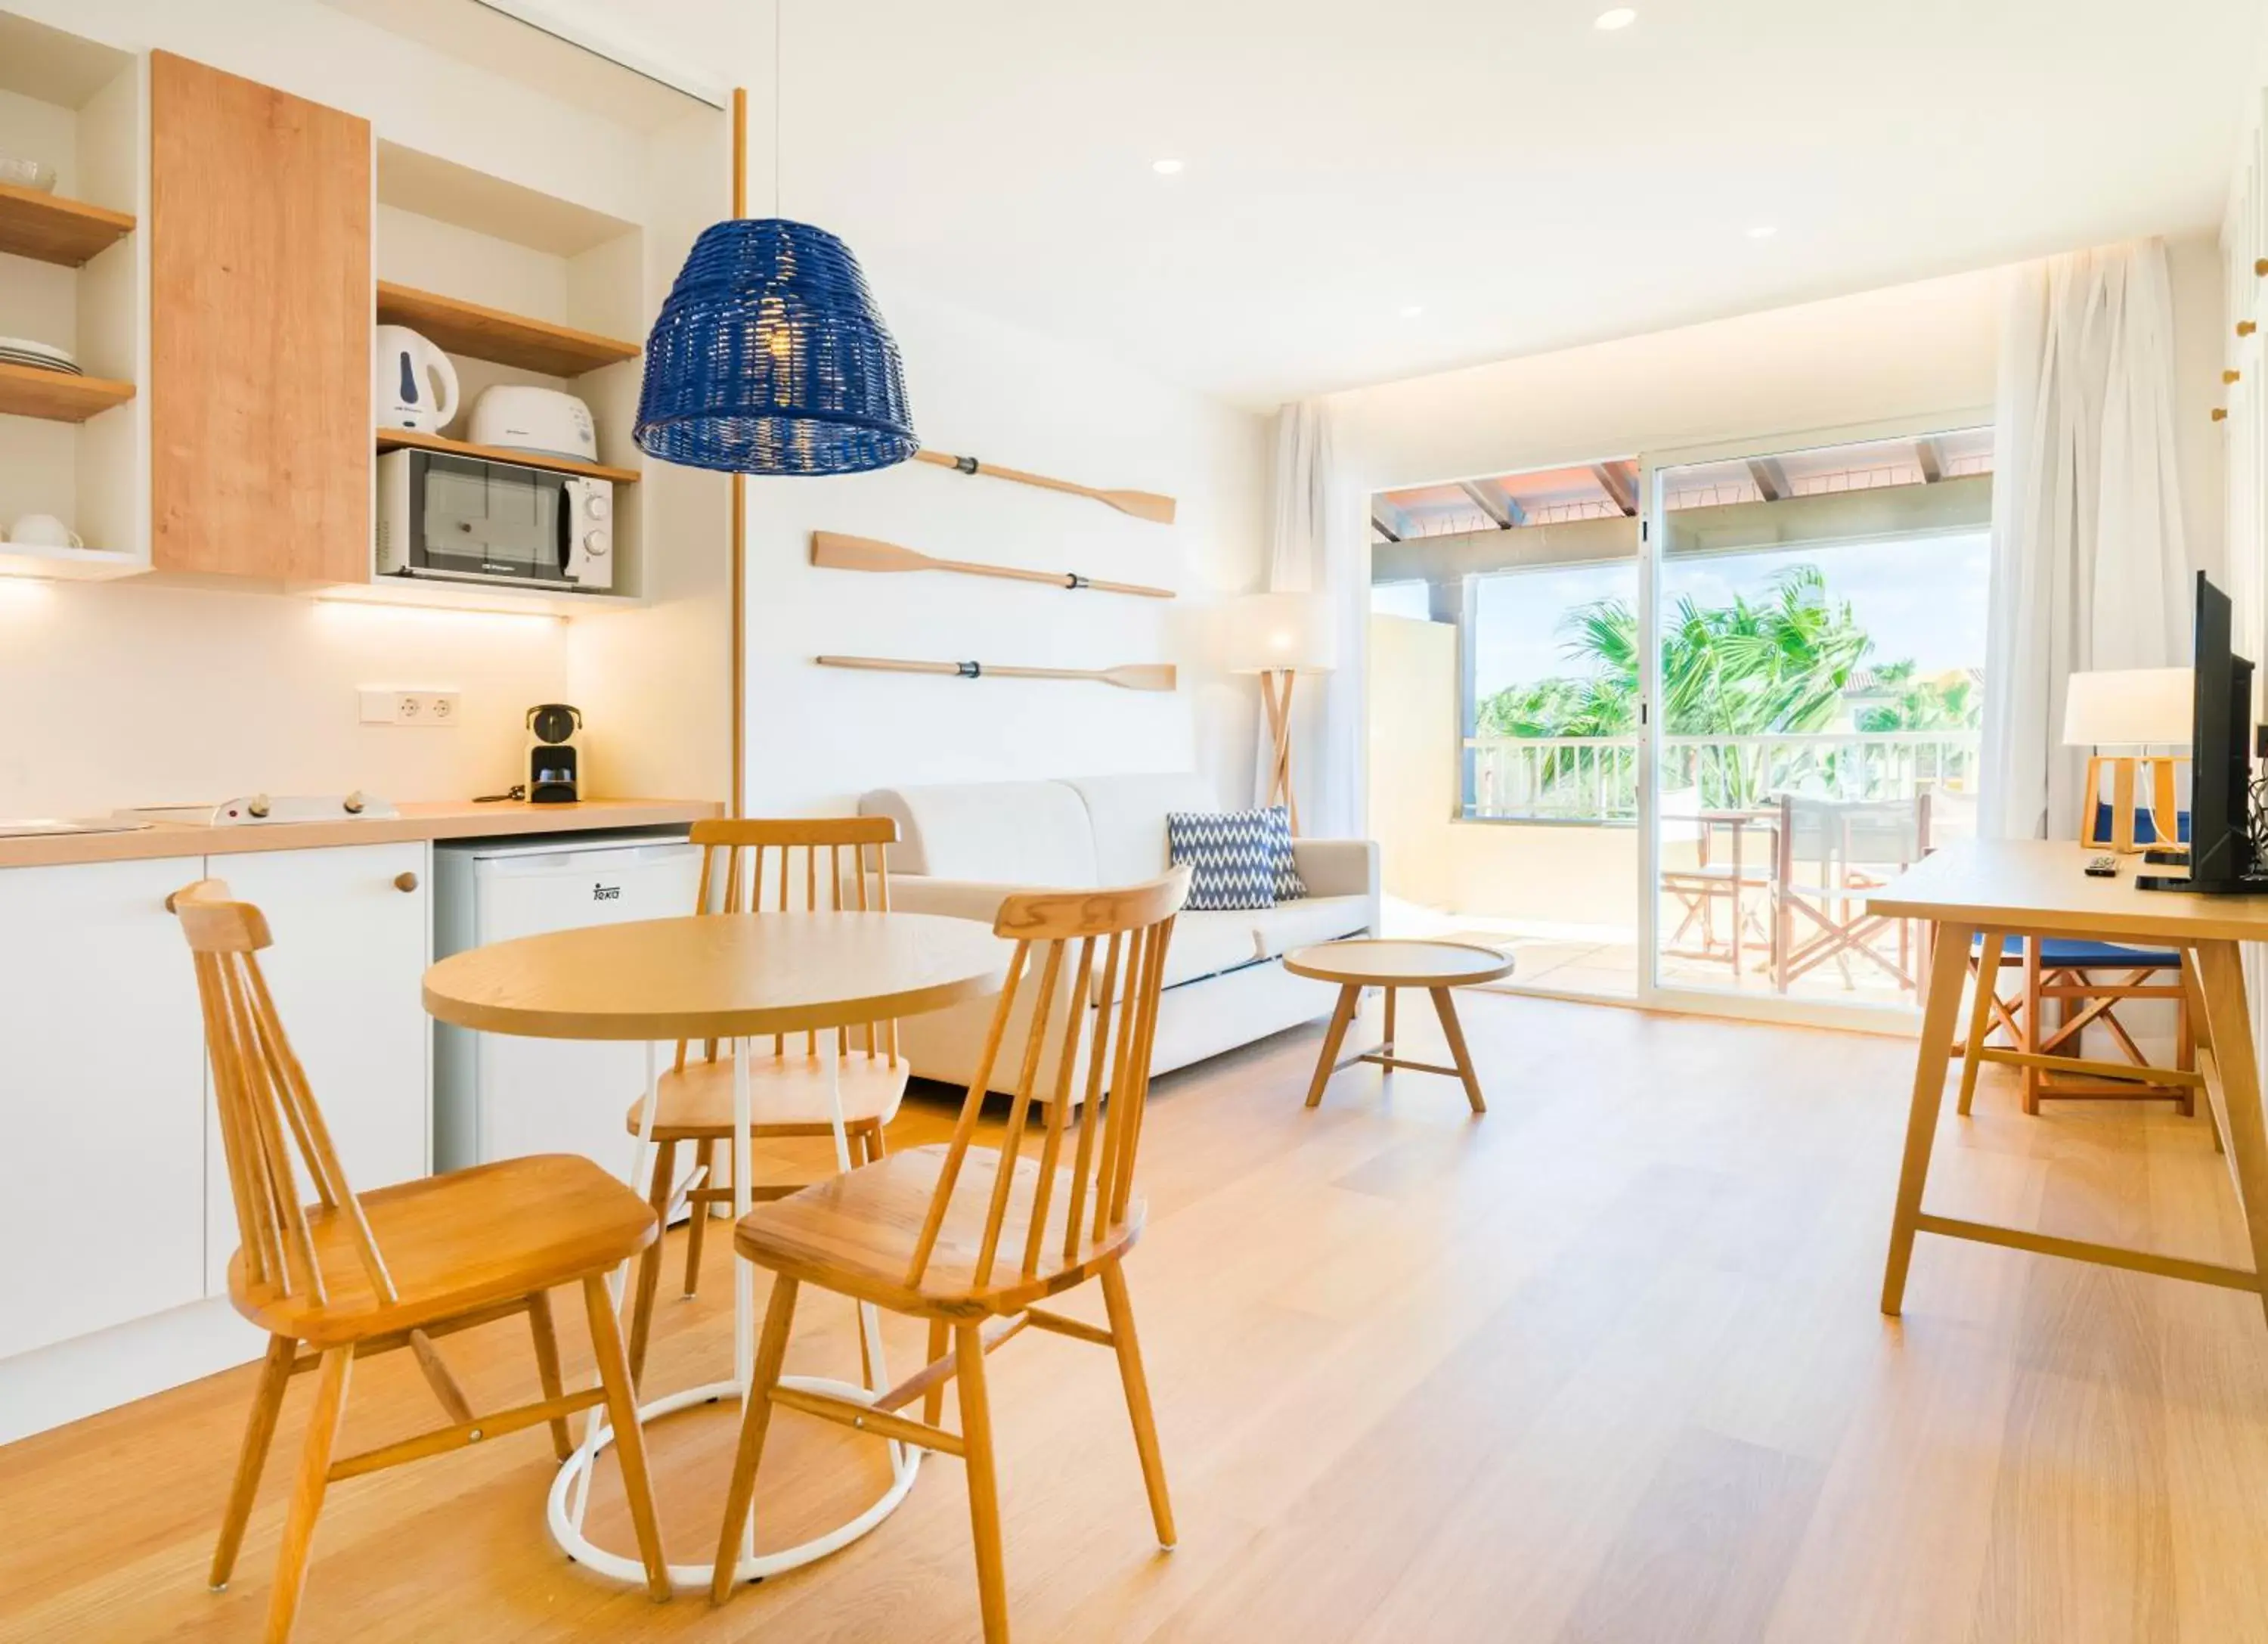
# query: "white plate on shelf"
{"points": [[23, 351]]}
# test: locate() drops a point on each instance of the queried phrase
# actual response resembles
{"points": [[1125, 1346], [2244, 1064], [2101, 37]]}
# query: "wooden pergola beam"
{"points": [[1619, 481], [1503, 510]]}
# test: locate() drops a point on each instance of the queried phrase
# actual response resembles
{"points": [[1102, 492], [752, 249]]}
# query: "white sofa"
{"points": [[964, 846]]}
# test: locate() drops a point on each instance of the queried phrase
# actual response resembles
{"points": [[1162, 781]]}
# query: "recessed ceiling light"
{"points": [[1166, 168], [1621, 17], [1762, 231], [1410, 311]]}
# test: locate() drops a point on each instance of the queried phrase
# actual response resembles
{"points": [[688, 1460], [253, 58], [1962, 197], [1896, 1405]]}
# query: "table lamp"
{"points": [[2129, 708], [1279, 636]]}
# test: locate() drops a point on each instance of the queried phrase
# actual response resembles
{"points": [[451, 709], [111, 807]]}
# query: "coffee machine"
{"points": [[554, 765]]}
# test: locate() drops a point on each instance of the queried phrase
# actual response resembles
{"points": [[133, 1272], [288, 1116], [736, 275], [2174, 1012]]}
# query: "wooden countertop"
{"points": [[432, 818]]}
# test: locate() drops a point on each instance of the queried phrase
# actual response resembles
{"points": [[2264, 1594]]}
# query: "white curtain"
{"points": [[1313, 548], [2089, 570]]}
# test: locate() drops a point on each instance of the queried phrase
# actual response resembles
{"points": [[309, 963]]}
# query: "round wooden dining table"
{"points": [[728, 977]]}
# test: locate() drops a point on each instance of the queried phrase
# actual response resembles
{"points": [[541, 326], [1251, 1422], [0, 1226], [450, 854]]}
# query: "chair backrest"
{"points": [[1840, 834], [1116, 941], [268, 1113], [750, 865]]}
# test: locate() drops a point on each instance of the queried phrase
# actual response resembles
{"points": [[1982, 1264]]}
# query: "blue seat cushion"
{"points": [[2146, 831], [2064, 953]]}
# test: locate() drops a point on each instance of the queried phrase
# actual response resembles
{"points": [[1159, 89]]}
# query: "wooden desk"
{"points": [[1996, 887]]}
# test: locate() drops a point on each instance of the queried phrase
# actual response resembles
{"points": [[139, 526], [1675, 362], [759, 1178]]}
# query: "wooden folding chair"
{"points": [[787, 1089], [351, 1276], [969, 1237], [2068, 985], [1832, 855]]}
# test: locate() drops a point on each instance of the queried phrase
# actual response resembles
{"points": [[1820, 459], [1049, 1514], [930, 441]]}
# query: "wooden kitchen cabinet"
{"points": [[353, 930], [102, 1179], [260, 245]]}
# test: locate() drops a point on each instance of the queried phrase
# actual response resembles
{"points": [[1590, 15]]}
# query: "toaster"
{"points": [[541, 420]]}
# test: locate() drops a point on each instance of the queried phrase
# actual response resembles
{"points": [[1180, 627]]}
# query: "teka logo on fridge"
{"points": [[606, 893]]}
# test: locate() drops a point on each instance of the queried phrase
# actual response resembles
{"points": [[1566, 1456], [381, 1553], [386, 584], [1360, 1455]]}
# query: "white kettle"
{"points": [[413, 385]]}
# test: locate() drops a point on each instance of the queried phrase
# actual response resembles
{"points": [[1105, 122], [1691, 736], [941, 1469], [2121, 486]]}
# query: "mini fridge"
{"points": [[496, 1096]]}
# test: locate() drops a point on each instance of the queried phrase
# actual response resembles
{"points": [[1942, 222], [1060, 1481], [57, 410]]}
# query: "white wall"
{"points": [[1922, 350], [818, 736]]}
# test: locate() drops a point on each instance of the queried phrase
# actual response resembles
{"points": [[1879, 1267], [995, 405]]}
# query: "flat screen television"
{"points": [[2221, 848]]}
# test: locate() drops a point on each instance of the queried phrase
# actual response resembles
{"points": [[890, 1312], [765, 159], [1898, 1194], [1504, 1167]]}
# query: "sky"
{"points": [[1923, 600]]}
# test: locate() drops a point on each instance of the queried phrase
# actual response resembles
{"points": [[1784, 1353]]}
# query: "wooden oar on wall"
{"points": [[1142, 505], [1130, 676], [838, 552]]}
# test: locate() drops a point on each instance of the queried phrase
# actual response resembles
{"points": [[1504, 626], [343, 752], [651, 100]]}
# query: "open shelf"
{"points": [[491, 333], [394, 438], [57, 395], [56, 230], [68, 564]]}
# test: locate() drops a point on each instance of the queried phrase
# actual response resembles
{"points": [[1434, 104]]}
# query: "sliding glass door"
{"points": [[1816, 651]]}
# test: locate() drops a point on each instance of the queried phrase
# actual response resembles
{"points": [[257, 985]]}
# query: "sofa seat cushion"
{"points": [[1207, 943], [1302, 924]]}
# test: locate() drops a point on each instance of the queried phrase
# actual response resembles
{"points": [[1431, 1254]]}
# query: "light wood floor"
{"points": [[1603, 1365]]}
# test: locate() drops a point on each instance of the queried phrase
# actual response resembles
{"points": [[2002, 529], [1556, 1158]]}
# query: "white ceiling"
{"points": [[1529, 180]]}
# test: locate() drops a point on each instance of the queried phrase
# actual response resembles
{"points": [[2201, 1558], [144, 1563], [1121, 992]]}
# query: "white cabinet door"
{"points": [[102, 1178], [350, 950]]}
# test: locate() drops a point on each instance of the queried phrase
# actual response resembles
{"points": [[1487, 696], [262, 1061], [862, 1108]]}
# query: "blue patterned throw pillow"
{"points": [[1289, 885], [1231, 855]]}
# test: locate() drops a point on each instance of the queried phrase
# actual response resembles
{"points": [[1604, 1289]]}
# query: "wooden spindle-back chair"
{"points": [[967, 1236], [747, 867], [348, 1276]]}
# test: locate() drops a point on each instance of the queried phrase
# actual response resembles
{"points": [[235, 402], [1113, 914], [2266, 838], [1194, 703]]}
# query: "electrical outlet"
{"points": [[407, 707]]}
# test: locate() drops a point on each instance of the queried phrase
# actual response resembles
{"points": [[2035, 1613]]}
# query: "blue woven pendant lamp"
{"points": [[769, 356]]}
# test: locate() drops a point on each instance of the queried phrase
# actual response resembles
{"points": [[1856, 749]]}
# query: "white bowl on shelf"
{"points": [[27, 174]]}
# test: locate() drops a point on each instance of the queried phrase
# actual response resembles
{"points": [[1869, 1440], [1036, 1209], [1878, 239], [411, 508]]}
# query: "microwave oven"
{"points": [[465, 519]]}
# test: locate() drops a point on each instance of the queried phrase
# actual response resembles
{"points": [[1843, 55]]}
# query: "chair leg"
{"points": [[696, 1228], [2036, 1025], [877, 1149], [323, 1422], [630, 1437], [649, 1270], [1120, 1310], [755, 1418], [933, 1400], [546, 1367], [259, 1431], [984, 1482]]}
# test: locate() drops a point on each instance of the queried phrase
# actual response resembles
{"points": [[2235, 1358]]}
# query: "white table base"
{"points": [[570, 1489]]}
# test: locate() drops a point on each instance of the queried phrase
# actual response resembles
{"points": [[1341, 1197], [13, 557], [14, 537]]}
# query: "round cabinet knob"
{"points": [[597, 506], [405, 881], [594, 543]]}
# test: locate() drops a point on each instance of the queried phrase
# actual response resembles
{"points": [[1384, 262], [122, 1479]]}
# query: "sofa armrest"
{"points": [[1337, 868], [955, 898]]}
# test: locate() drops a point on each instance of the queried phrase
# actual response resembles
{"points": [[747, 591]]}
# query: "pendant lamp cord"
{"points": [[779, 11]]}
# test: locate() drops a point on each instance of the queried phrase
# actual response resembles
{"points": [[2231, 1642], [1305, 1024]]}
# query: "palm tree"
{"points": [[1780, 665]]}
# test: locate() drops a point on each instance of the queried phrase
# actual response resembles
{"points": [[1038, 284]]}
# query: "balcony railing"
{"points": [[1595, 779]]}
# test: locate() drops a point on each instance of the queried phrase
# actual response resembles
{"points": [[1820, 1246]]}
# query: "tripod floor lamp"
{"points": [[1279, 637]]}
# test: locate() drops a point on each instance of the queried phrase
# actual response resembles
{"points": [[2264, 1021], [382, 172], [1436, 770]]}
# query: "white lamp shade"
{"points": [[1267, 632], [2116, 707]]}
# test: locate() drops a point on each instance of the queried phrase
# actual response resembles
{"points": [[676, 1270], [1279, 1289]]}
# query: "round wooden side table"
{"points": [[1387, 962], [732, 977]]}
